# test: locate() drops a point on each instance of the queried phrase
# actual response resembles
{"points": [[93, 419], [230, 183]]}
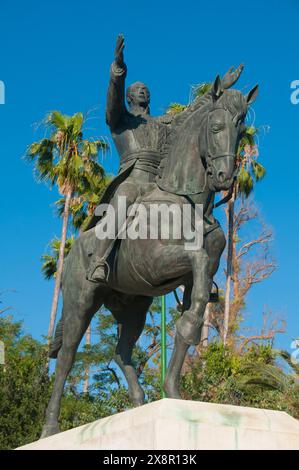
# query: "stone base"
{"points": [[181, 425]]}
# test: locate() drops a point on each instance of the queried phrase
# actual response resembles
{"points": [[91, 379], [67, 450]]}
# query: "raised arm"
{"points": [[116, 106], [231, 76]]}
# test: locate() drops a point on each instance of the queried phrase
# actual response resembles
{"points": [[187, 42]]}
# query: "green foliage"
{"points": [[201, 89], [176, 108], [250, 171], [80, 409], [245, 181], [42, 154], [197, 91], [254, 377], [251, 378], [49, 266], [24, 385], [258, 170], [26, 389]]}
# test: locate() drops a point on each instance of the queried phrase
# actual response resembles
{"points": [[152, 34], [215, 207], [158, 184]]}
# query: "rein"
{"points": [[225, 198], [210, 158]]}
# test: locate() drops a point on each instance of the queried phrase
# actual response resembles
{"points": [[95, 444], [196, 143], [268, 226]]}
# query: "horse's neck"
{"points": [[183, 171]]}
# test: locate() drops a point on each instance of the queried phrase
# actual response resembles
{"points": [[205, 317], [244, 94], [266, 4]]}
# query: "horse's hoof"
{"points": [[138, 403], [49, 430], [172, 391], [138, 399]]}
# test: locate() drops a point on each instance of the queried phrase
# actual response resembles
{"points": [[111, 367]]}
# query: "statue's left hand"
{"points": [[231, 76]]}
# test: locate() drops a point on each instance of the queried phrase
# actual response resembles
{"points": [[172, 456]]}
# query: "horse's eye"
{"points": [[216, 127]]}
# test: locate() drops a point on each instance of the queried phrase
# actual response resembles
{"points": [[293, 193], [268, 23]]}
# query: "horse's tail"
{"points": [[56, 342]]}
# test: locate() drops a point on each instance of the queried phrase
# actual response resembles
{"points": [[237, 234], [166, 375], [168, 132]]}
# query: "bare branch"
{"points": [[264, 238], [112, 371], [5, 310], [268, 332]]}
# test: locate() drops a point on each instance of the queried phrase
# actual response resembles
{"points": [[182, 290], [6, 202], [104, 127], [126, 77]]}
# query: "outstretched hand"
{"points": [[119, 48], [231, 76]]}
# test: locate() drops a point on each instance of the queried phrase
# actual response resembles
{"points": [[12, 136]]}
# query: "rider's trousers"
{"points": [[133, 187]]}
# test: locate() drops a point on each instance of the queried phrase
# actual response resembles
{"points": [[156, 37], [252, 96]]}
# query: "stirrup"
{"points": [[214, 296]]}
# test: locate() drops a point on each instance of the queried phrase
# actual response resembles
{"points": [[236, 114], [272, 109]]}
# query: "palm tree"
{"points": [[66, 159], [250, 172]]}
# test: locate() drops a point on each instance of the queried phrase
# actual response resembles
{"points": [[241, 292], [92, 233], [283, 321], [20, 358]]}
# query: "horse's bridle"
{"points": [[209, 157]]}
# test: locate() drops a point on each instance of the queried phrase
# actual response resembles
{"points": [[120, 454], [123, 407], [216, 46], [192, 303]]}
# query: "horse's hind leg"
{"points": [[78, 310], [130, 318]]}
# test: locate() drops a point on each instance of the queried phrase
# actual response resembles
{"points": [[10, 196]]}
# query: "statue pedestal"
{"points": [[181, 425]]}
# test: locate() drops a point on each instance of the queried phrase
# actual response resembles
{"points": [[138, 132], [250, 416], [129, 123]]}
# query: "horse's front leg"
{"points": [[188, 327]]}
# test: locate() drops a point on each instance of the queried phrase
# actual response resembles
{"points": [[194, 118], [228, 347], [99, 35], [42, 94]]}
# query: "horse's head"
{"points": [[223, 129]]}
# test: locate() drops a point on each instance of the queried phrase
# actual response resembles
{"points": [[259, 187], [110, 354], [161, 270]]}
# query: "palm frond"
{"points": [[201, 89], [258, 169], [286, 356], [266, 376], [176, 108], [76, 123], [245, 182], [58, 120], [49, 261], [49, 266]]}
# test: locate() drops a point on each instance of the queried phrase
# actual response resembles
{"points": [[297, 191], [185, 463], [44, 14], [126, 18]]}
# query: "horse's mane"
{"points": [[235, 102], [231, 99]]}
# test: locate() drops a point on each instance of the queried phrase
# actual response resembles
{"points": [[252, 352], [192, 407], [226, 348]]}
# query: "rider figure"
{"points": [[141, 141]]}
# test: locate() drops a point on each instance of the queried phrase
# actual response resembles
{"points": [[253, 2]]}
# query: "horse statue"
{"points": [[201, 161]]}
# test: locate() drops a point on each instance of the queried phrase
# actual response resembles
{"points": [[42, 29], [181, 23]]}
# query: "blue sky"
{"points": [[56, 55]]}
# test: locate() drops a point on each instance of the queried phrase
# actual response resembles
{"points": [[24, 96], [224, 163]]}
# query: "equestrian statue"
{"points": [[182, 159]]}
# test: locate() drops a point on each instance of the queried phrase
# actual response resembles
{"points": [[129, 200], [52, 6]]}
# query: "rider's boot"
{"points": [[98, 269]]}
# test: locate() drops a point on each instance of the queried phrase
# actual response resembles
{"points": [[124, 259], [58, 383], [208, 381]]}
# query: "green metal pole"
{"points": [[163, 343]]}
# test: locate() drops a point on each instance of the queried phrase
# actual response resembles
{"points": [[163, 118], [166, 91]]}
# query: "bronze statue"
{"points": [[200, 146]]}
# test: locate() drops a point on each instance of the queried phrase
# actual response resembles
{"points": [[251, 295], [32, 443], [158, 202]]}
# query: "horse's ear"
{"points": [[251, 96], [217, 88]]}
